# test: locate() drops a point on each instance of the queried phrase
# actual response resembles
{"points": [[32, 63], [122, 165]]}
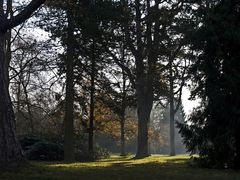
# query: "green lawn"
{"points": [[118, 168]]}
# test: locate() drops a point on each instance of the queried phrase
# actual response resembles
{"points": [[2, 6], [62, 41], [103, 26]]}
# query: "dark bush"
{"points": [[45, 151], [36, 148], [27, 141]]}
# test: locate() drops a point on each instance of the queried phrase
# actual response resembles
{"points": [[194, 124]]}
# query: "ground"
{"points": [[121, 168]]}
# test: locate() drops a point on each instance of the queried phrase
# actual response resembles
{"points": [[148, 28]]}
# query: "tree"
{"points": [[10, 150], [118, 96], [177, 68], [63, 26], [26, 64], [213, 128], [90, 60], [141, 24], [174, 60], [108, 123], [160, 120], [69, 99], [144, 71]]}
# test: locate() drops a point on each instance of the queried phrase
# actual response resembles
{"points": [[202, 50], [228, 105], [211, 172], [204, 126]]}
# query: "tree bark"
{"points": [[143, 119], [92, 91], [122, 119], [144, 106], [10, 150], [122, 124], [123, 107], [122, 131], [69, 100]]}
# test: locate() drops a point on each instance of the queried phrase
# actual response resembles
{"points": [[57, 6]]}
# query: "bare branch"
{"points": [[123, 67]]}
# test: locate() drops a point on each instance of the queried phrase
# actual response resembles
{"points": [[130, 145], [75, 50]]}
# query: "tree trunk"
{"points": [[10, 150], [143, 119], [144, 107], [172, 128], [172, 113], [122, 124], [91, 119], [144, 82], [123, 108], [68, 119]]}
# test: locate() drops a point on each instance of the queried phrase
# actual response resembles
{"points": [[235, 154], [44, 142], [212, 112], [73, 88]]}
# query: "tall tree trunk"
{"points": [[68, 118], [172, 113], [10, 150], [143, 119], [123, 108], [172, 129], [144, 84], [122, 124], [144, 106], [122, 118], [91, 119]]}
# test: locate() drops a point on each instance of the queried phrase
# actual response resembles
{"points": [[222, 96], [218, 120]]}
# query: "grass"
{"points": [[120, 168]]}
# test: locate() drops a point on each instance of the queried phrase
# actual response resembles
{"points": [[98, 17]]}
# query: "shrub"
{"points": [[98, 153], [45, 151], [29, 140]]}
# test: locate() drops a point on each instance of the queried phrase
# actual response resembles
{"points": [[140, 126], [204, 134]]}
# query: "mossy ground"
{"points": [[120, 168]]}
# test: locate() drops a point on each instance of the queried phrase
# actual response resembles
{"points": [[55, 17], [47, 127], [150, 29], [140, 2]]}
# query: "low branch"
{"points": [[23, 15]]}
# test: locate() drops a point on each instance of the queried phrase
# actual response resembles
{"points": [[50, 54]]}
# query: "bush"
{"points": [[36, 148], [27, 141], [45, 151], [99, 153]]}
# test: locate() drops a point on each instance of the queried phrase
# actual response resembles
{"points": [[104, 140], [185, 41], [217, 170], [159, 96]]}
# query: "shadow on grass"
{"points": [[119, 168]]}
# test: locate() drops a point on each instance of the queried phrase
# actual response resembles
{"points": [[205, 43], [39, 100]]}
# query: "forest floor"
{"points": [[120, 168]]}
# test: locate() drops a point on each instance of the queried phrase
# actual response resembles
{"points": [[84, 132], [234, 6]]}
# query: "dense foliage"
{"points": [[213, 129]]}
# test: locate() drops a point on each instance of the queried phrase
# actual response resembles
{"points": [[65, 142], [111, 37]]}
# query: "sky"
{"points": [[188, 105]]}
